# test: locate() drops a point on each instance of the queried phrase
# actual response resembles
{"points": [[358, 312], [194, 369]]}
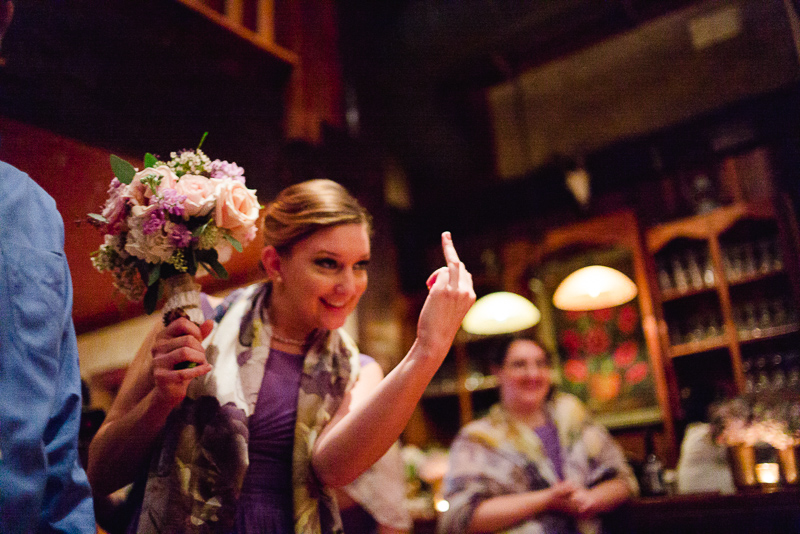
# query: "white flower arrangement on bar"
{"points": [[164, 224], [751, 420]]}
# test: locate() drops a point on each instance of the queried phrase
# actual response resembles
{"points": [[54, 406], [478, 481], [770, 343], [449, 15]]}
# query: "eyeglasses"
{"points": [[519, 366]]}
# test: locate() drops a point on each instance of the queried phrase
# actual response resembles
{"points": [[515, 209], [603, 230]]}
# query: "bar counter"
{"points": [[751, 512], [774, 511]]}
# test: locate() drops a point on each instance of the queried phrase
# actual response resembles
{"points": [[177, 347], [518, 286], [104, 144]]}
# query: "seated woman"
{"points": [[537, 463]]}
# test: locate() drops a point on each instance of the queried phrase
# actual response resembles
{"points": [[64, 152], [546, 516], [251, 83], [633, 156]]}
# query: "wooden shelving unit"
{"points": [[232, 18], [748, 312]]}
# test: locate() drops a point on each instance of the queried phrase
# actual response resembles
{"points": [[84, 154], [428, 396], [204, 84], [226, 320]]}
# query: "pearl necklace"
{"points": [[288, 341]]}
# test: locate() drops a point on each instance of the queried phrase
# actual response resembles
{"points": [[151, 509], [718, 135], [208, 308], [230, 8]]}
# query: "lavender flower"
{"points": [[154, 222], [180, 236], [222, 170], [172, 202]]}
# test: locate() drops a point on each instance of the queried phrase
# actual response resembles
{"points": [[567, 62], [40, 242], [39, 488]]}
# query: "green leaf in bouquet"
{"points": [[155, 274], [201, 140], [208, 259], [191, 261], [200, 229], [98, 217], [233, 241], [123, 170], [211, 264], [219, 270], [150, 160], [151, 298]]}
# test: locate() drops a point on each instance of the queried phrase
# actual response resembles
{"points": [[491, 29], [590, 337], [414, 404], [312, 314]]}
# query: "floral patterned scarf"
{"points": [[497, 455], [195, 478]]}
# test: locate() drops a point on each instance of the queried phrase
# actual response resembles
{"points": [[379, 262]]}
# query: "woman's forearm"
{"points": [[355, 440], [349, 445], [504, 511], [610, 494], [120, 449]]}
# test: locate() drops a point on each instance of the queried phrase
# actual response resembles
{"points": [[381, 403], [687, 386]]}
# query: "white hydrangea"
{"points": [[153, 248]]}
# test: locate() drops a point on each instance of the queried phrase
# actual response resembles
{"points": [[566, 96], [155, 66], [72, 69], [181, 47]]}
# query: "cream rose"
{"points": [[236, 210], [199, 192], [140, 193]]}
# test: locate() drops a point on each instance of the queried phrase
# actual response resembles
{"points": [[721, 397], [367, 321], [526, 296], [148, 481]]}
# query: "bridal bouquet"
{"points": [[166, 222]]}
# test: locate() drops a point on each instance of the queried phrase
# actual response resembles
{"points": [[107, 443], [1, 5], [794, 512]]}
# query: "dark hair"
{"points": [[498, 354], [301, 209]]}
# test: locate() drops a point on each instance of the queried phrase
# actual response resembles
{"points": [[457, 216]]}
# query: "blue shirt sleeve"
{"points": [[43, 487]]}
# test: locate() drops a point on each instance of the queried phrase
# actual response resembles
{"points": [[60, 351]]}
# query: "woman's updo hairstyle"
{"points": [[301, 209]]}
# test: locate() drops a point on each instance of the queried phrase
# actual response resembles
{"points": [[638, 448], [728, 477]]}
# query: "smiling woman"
{"points": [[281, 406], [537, 462]]}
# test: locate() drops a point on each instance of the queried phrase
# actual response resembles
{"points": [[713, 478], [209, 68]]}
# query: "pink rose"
{"points": [[116, 208], [237, 209], [168, 178], [199, 192]]}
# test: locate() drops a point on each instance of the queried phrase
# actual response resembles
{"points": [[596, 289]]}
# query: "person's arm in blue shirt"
{"points": [[43, 488]]}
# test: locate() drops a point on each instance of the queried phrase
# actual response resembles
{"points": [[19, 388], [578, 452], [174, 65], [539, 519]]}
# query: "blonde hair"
{"points": [[301, 209]]}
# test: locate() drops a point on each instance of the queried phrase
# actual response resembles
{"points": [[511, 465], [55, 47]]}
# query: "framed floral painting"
{"points": [[603, 356]]}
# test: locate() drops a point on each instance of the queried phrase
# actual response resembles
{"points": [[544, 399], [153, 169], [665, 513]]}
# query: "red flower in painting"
{"points": [[628, 318], [571, 342], [625, 354], [576, 371], [636, 373], [597, 341], [603, 315]]}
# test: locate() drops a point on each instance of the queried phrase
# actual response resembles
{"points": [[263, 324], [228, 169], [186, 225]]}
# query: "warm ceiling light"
{"points": [[500, 313], [594, 288]]}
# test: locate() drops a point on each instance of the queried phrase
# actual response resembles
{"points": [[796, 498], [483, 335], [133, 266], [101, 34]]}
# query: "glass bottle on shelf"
{"points": [[708, 272], [714, 327], [652, 470], [764, 316], [778, 373], [749, 320], [693, 269], [735, 255], [679, 275], [791, 312], [664, 281], [749, 259], [749, 378], [765, 263], [793, 378], [779, 314], [675, 337], [762, 380], [777, 257], [696, 330]]}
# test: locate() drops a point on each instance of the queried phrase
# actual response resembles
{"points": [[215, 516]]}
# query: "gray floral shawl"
{"points": [[497, 455], [195, 477]]}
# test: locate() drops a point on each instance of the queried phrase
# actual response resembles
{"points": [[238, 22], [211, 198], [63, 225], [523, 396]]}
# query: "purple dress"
{"points": [[548, 433], [265, 504]]}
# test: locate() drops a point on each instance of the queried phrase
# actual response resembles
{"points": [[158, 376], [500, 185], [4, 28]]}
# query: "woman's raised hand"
{"points": [[180, 341], [450, 297]]}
